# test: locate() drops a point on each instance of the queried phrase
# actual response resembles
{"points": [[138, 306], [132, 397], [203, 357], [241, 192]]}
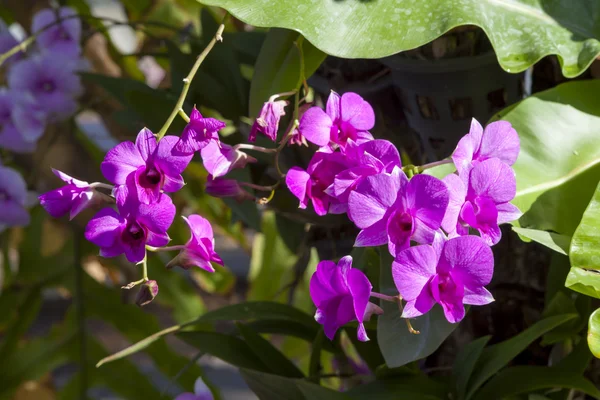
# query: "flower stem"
{"points": [[422, 168], [183, 115], [277, 95], [244, 146], [187, 81], [168, 248], [101, 185], [285, 139], [408, 324], [259, 187], [145, 268], [385, 297]]}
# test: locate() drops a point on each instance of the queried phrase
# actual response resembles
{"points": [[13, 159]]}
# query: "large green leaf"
{"points": [[397, 344], [585, 252], [523, 379], [522, 31], [557, 172], [584, 281], [413, 387], [269, 354], [593, 336], [495, 357], [558, 243], [278, 67]]}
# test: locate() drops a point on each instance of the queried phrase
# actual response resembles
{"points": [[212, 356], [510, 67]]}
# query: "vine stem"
{"points": [[259, 187], [385, 297], [168, 248], [422, 168], [187, 81], [245, 146]]}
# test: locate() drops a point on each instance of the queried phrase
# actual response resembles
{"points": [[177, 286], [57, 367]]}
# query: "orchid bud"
{"points": [[148, 291]]}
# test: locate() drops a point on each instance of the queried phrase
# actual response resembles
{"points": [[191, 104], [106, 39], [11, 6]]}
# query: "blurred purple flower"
{"points": [[341, 294], [220, 158], [13, 194], [201, 392], [346, 117], [267, 122], [7, 42], [313, 183], [147, 166], [369, 158], [219, 187], [498, 140], [451, 274], [198, 133], [62, 39], [199, 251], [132, 228], [391, 209], [11, 138], [480, 199], [50, 80], [72, 198]]}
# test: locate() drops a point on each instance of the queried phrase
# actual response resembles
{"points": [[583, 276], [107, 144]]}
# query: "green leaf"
{"points": [[278, 66], [398, 345], [521, 31], [585, 252], [554, 241], [557, 173], [578, 359], [316, 392], [413, 387], [465, 363], [225, 347], [314, 366], [495, 357], [584, 281], [593, 336], [563, 303], [271, 387], [235, 312], [269, 354], [523, 379]]}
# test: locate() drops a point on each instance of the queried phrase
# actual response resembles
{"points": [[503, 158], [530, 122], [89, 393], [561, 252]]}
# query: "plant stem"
{"points": [[259, 187], [145, 268], [187, 81], [285, 139], [385, 297], [408, 324], [169, 248], [275, 96], [183, 115], [422, 168], [244, 146]]}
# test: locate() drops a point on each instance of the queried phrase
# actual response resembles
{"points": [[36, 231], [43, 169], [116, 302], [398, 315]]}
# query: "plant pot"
{"points": [[440, 97]]}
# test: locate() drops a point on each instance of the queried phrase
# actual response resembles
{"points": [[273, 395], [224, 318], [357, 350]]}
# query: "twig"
{"points": [[187, 81], [80, 306]]}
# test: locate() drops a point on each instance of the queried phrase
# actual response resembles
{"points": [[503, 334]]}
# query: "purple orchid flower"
{"points": [[7, 42], [219, 187], [132, 228], [13, 194], [391, 209], [73, 198], [498, 140], [347, 117], [450, 273], [199, 251], [220, 158], [50, 80], [62, 38], [341, 294], [481, 202], [198, 133], [148, 165], [370, 158], [11, 137], [296, 138], [313, 183], [267, 122]]}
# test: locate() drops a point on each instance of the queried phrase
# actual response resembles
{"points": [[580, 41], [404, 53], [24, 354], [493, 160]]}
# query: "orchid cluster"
{"points": [[428, 225], [43, 87]]}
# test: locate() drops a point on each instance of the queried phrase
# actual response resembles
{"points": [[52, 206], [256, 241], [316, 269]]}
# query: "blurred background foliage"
{"points": [[63, 309]]}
